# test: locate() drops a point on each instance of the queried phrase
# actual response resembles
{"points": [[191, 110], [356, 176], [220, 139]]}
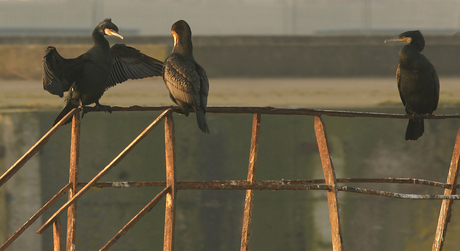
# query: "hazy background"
{"points": [[231, 17]]}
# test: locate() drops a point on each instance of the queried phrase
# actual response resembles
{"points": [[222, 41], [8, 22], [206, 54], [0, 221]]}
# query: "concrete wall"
{"points": [[251, 56], [21, 196], [317, 56]]}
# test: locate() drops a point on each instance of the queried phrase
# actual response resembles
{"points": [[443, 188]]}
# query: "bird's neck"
{"points": [[410, 50], [183, 47], [407, 55], [99, 39], [413, 48]]}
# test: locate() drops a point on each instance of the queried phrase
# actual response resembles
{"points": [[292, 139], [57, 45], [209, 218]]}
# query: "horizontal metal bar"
{"points": [[218, 185], [185, 184], [293, 185], [253, 186], [282, 111], [395, 180], [398, 195], [324, 187]]}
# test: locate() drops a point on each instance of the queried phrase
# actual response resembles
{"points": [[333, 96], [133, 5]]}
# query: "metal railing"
{"points": [[171, 185]]}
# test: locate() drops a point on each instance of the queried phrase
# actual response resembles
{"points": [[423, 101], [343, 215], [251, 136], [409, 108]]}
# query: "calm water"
{"points": [[211, 220]]}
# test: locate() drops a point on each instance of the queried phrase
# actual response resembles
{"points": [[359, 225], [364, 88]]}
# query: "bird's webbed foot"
{"points": [[183, 108], [105, 108], [84, 109], [179, 111], [97, 107]]}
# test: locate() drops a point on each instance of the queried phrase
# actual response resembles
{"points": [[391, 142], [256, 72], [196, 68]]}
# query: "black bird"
{"points": [[185, 79], [88, 76], [417, 80]]}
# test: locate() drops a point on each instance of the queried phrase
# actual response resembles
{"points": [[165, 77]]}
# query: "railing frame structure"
{"points": [[329, 184]]}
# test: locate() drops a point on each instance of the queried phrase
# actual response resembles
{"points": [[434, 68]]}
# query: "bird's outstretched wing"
{"points": [[59, 73], [130, 63]]}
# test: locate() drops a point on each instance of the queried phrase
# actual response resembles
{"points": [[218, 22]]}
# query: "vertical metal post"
{"points": [[446, 206], [249, 201], [57, 229], [73, 179], [170, 210], [329, 175]]}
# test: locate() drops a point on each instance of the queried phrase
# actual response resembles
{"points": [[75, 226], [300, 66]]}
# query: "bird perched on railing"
{"points": [[185, 79], [417, 80], [88, 76]]}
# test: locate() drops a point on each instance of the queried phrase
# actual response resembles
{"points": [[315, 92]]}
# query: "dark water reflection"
{"points": [[282, 220]]}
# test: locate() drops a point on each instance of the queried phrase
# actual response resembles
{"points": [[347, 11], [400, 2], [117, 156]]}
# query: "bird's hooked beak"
{"points": [[110, 32], [397, 39]]}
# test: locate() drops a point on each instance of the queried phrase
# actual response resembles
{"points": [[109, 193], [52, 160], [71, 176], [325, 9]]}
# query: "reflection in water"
{"points": [[211, 220]]}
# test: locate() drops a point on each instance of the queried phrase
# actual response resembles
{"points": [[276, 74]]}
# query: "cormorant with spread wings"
{"points": [[88, 76]]}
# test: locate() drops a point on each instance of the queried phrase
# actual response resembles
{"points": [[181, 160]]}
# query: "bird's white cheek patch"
{"points": [[175, 36]]}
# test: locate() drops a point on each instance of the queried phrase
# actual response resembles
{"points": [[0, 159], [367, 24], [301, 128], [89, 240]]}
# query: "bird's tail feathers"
{"points": [[201, 119], [64, 112], [415, 129]]}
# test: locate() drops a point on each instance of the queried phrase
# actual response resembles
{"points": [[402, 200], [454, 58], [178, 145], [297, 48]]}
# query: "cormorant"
{"points": [[417, 80], [185, 79], [88, 76]]}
